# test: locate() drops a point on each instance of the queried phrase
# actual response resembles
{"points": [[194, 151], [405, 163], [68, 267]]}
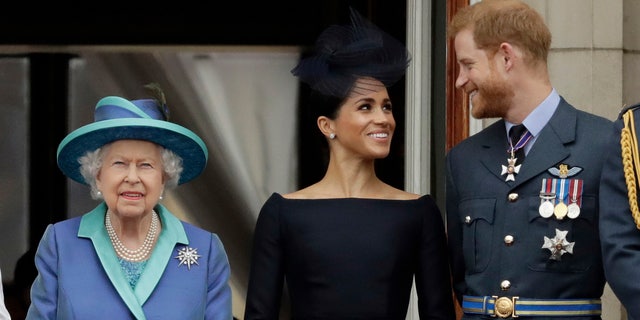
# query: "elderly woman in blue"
{"points": [[130, 257]]}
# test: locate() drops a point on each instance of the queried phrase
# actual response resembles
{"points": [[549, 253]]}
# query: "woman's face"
{"points": [[131, 178], [364, 125]]}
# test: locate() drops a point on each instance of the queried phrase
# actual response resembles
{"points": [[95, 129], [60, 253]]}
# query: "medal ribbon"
{"points": [[545, 191], [548, 184], [563, 190], [576, 191], [551, 188], [545, 188], [526, 136]]}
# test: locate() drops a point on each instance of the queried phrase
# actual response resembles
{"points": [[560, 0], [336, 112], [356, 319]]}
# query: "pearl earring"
{"points": [[98, 193], [160, 197], [332, 136]]}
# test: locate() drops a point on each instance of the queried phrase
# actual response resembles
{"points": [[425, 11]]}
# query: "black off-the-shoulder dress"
{"points": [[349, 258]]}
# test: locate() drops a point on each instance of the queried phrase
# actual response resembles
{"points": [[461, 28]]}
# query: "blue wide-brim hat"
{"points": [[117, 118]]}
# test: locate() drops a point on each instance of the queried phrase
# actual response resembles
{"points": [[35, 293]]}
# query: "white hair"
{"points": [[91, 163]]}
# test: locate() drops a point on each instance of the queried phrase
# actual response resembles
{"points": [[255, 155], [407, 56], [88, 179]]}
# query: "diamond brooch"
{"points": [[187, 256]]}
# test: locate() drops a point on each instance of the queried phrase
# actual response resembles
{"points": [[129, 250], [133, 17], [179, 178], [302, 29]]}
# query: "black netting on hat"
{"points": [[344, 53]]}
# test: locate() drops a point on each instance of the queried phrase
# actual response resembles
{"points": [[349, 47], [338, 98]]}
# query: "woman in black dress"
{"points": [[350, 245]]}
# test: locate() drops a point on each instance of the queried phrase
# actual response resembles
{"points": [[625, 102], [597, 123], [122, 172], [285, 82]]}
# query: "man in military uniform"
{"points": [[619, 212], [522, 208]]}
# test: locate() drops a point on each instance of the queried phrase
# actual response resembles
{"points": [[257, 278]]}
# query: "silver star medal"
{"points": [[188, 256], [558, 245], [510, 169]]}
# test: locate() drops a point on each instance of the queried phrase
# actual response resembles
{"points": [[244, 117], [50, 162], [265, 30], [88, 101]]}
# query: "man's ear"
{"points": [[508, 54]]}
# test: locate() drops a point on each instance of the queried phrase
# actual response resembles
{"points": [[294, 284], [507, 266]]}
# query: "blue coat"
{"points": [[79, 276], [495, 230], [619, 233]]}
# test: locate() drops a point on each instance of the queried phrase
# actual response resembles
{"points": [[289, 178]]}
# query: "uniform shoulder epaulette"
{"points": [[633, 107]]}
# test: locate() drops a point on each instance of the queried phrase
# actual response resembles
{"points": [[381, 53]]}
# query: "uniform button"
{"points": [[508, 240], [505, 285], [513, 197], [467, 219]]}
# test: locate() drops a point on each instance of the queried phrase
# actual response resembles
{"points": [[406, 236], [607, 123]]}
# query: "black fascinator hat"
{"points": [[343, 54]]}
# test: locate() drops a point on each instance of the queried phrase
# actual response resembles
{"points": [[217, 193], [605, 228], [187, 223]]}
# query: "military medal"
{"points": [[573, 210], [547, 197], [570, 189], [560, 210], [511, 169], [546, 209], [558, 245], [546, 206]]}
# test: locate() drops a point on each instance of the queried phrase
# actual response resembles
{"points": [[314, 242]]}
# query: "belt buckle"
{"points": [[505, 307]]}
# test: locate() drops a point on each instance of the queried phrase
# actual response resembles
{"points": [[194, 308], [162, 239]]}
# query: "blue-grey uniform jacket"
{"points": [[500, 243], [620, 236]]}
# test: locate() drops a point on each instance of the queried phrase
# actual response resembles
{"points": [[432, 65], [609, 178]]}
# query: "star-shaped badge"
{"points": [[510, 169], [558, 245], [188, 256]]}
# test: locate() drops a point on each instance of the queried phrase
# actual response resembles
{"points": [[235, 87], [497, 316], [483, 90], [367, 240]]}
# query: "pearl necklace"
{"points": [[139, 254]]}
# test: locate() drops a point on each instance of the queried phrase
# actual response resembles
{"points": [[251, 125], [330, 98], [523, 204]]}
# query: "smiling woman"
{"points": [[127, 253], [322, 240], [225, 93]]}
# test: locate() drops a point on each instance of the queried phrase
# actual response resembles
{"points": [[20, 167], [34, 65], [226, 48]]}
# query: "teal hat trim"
{"points": [[136, 120]]}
